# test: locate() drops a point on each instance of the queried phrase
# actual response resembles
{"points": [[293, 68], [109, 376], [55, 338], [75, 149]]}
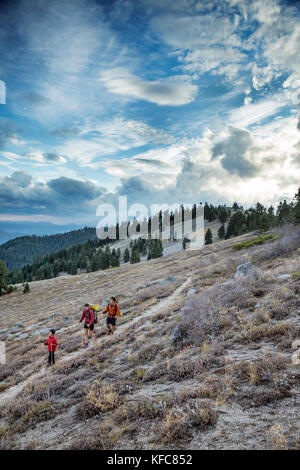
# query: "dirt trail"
{"points": [[162, 304]]}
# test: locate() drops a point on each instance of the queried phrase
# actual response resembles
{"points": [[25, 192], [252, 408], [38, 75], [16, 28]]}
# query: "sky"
{"points": [[179, 101]]}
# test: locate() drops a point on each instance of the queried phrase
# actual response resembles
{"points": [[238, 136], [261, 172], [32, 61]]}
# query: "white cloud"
{"points": [[164, 93], [192, 174], [251, 113], [37, 156], [206, 41], [98, 139]]}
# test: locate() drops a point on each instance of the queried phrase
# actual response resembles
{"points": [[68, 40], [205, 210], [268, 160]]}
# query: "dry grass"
{"points": [[149, 378]]}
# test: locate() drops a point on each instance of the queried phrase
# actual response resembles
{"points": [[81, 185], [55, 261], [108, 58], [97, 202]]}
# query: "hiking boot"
{"points": [[85, 345]]}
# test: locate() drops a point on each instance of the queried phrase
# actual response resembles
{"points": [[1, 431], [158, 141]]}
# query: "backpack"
{"points": [[95, 309]]}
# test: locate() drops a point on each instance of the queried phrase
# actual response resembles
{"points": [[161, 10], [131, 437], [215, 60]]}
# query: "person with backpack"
{"points": [[51, 342], [113, 311], [89, 324]]}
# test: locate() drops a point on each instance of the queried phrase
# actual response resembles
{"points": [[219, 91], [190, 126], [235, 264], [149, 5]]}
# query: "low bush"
{"points": [[260, 240]]}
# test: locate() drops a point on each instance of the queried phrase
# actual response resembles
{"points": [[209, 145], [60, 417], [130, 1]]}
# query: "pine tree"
{"points": [[222, 214], [185, 241], [26, 288], [126, 255], [105, 259], [3, 275], [221, 232], [88, 266], [135, 255], [72, 269], [114, 259], [264, 225], [157, 249], [56, 268], [297, 208], [208, 237]]}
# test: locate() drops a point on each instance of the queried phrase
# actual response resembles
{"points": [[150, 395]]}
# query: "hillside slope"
{"points": [[228, 380], [23, 250]]}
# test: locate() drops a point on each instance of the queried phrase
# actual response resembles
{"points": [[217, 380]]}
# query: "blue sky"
{"points": [[185, 102]]}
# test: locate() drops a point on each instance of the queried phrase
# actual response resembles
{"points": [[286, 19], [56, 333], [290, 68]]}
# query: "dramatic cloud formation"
{"points": [[233, 150], [62, 196], [180, 100], [121, 82], [20, 178]]}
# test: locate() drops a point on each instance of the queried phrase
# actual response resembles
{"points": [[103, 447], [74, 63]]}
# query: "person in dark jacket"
{"points": [[51, 342], [89, 326]]}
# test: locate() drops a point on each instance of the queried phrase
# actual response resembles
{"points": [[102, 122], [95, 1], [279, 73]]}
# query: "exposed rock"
{"points": [[192, 291], [67, 320], [169, 279], [24, 335], [244, 269], [283, 276], [39, 332], [32, 327], [176, 335], [13, 329]]}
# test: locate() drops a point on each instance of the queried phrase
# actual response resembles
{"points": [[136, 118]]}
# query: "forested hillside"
{"points": [[23, 250], [35, 258]]}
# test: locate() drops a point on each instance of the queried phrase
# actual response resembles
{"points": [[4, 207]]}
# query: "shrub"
{"points": [[179, 421], [101, 398], [260, 240], [287, 242], [207, 314], [26, 413], [201, 416], [146, 354], [147, 409], [173, 428], [100, 440], [260, 396], [261, 371]]}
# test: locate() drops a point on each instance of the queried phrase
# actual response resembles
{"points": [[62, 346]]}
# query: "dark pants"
{"points": [[51, 358]]}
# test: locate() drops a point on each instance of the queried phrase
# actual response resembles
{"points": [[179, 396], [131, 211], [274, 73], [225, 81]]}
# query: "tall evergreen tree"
{"points": [[3, 276], [297, 208], [208, 237], [135, 255], [264, 225], [221, 232], [114, 259], [126, 255]]}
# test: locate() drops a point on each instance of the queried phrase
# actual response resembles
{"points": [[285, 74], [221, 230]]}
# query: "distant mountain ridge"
{"points": [[23, 250], [21, 228], [5, 236]]}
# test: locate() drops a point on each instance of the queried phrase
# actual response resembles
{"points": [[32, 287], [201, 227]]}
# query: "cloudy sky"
{"points": [[185, 102]]}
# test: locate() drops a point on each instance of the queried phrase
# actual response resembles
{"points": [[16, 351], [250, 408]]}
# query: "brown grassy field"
{"points": [[226, 382]]}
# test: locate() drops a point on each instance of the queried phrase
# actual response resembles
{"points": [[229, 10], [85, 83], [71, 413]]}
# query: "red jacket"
{"points": [[88, 316], [52, 343]]}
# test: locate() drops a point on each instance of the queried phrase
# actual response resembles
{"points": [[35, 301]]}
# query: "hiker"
{"points": [[89, 324], [52, 345], [113, 311]]}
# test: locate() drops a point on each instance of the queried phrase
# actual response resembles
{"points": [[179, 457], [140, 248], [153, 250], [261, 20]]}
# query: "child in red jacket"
{"points": [[52, 345]]}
